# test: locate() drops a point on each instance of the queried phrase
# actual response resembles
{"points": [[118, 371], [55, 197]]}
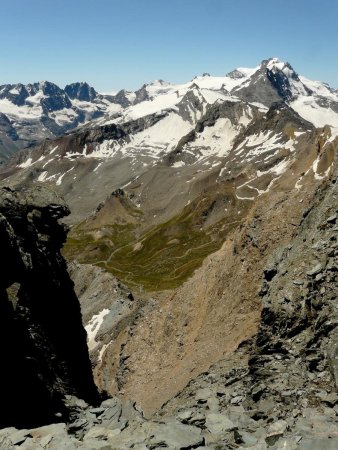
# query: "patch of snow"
{"points": [[260, 106], [35, 99], [42, 177], [243, 198], [97, 167], [178, 164], [50, 160], [59, 180], [20, 112], [93, 327], [307, 108], [319, 88], [103, 349], [298, 185], [14, 91], [26, 163], [221, 171], [260, 144], [216, 140], [315, 169]]}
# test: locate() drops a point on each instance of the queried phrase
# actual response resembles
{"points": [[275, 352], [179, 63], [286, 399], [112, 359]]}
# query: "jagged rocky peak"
{"points": [[81, 91], [15, 93], [236, 74], [124, 98], [273, 80], [141, 94], [43, 342], [160, 82], [48, 88], [275, 64], [275, 67], [53, 98], [283, 78], [48, 95]]}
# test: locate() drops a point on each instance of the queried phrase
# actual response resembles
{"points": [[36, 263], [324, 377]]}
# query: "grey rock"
{"points": [[331, 399], [218, 423], [236, 400], [258, 446], [101, 433], [245, 438], [17, 437], [96, 411], [112, 413], [197, 420], [185, 416], [278, 427], [202, 395], [332, 219], [213, 404], [72, 401], [318, 444], [78, 424], [315, 270], [151, 435], [287, 443]]}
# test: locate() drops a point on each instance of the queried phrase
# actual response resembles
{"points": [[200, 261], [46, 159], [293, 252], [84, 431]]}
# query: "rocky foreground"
{"points": [[277, 391]]}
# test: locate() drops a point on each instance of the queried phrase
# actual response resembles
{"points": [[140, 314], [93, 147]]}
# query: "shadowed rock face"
{"points": [[43, 344]]}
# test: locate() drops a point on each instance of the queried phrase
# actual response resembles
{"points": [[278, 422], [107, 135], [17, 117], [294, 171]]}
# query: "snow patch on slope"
{"points": [[216, 140], [93, 327], [319, 116]]}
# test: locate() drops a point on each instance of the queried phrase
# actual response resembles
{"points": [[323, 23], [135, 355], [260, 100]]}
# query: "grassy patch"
{"points": [[163, 257]]}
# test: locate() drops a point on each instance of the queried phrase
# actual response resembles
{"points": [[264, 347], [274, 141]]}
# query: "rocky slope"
{"points": [[277, 391], [44, 350], [280, 390], [180, 332]]}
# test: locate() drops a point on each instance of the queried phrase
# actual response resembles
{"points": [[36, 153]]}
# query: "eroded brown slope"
{"points": [[182, 332]]}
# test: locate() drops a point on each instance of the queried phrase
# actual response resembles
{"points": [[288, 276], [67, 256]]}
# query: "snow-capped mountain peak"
{"points": [[43, 110]]}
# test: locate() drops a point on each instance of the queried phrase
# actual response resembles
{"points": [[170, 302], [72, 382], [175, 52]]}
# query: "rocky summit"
{"points": [[169, 264]]}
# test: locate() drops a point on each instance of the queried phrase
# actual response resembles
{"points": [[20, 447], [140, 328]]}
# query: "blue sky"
{"points": [[114, 44]]}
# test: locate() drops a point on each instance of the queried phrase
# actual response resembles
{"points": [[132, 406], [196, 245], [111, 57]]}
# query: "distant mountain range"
{"points": [[33, 112]]}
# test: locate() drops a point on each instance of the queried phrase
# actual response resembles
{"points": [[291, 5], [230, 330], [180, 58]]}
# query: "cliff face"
{"points": [[43, 343]]}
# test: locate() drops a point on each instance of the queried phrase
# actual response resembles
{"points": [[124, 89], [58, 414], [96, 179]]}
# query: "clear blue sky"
{"points": [[114, 43]]}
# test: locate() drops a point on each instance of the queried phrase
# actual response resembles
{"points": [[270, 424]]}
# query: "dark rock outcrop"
{"points": [[81, 91], [43, 342]]}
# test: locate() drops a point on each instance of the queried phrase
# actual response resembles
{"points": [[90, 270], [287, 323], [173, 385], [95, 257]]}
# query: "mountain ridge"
{"points": [[51, 111]]}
